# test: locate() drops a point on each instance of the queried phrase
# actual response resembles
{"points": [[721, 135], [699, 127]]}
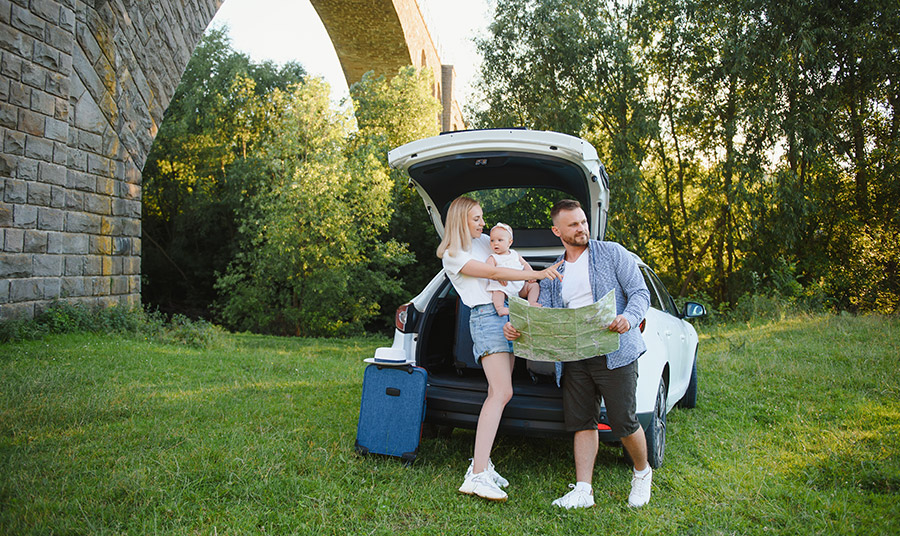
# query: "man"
{"points": [[592, 269]]}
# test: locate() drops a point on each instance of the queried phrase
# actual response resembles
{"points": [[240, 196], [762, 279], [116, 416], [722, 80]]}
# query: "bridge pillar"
{"points": [[83, 88]]}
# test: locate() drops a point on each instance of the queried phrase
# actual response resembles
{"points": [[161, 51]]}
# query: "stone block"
{"points": [[122, 246], [100, 286], [21, 290], [101, 245], [72, 287], [24, 216], [77, 159], [105, 186], [9, 115], [27, 169], [43, 103], [106, 265], [134, 284], [31, 122], [74, 265], [57, 197], [8, 165], [13, 265], [19, 94], [38, 194], [4, 290], [46, 9], [14, 143], [119, 285], [50, 288], [51, 219], [97, 204], [60, 153], [57, 84], [24, 311], [35, 241], [34, 75], [54, 128], [15, 191], [92, 265], [98, 165], [38, 148], [67, 243], [75, 200], [80, 181], [6, 215], [61, 111], [61, 39], [82, 222], [16, 41], [47, 265], [14, 241], [53, 174]]}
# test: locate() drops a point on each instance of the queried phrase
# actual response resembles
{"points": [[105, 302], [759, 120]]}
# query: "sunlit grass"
{"points": [[797, 431]]}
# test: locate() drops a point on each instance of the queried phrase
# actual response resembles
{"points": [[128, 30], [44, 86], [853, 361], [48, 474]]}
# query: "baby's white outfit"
{"points": [[507, 260]]}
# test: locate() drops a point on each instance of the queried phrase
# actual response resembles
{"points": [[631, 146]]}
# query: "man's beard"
{"points": [[578, 240]]}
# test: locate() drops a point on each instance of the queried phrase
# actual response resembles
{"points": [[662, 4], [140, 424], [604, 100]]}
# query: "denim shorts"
{"points": [[486, 327]]}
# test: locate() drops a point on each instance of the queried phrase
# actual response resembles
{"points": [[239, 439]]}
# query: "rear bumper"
{"points": [[534, 410]]}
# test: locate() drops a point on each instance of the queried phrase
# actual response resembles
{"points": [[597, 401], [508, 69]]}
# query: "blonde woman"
{"points": [[463, 252]]}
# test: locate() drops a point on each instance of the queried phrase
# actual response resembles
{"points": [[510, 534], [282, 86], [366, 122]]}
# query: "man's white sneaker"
{"points": [[640, 490], [576, 498], [499, 480], [483, 485]]}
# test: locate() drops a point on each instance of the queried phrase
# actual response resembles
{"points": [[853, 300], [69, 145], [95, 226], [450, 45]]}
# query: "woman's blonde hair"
{"points": [[456, 228]]}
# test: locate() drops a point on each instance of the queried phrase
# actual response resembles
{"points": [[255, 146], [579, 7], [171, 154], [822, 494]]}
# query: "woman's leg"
{"points": [[498, 369]]}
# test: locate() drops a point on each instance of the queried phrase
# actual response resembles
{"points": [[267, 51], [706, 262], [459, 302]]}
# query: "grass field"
{"points": [[797, 431]]}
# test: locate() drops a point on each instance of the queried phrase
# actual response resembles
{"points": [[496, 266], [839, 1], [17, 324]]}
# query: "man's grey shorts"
{"points": [[585, 381]]}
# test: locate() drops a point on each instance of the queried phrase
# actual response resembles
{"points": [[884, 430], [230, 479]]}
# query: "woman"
{"points": [[463, 252]]}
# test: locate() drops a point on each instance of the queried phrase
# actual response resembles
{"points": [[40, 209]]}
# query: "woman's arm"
{"points": [[475, 268]]}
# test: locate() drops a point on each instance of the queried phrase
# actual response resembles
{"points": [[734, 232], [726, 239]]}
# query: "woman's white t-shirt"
{"points": [[472, 290]]}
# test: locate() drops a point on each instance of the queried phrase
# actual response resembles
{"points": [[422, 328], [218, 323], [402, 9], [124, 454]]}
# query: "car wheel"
{"points": [[656, 431], [689, 400]]}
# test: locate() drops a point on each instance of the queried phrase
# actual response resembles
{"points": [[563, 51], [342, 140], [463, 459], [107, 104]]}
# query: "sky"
{"points": [[285, 30]]}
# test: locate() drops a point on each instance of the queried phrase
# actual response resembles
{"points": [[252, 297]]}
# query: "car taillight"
{"points": [[405, 318], [643, 324]]}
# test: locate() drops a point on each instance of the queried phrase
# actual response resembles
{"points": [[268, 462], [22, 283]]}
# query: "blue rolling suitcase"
{"points": [[391, 411]]}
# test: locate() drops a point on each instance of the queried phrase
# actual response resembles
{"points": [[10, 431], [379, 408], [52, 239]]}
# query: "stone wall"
{"points": [[83, 89]]}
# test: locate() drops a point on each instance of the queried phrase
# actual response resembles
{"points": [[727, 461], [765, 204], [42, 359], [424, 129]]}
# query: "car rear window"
{"points": [[520, 208]]}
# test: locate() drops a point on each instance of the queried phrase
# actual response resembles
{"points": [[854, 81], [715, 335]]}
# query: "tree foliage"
{"points": [[264, 201], [748, 142]]}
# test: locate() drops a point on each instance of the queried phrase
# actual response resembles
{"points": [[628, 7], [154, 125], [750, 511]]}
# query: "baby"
{"points": [[501, 240]]}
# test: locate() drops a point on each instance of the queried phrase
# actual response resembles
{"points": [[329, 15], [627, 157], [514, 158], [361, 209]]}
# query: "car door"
{"points": [[675, 336]]}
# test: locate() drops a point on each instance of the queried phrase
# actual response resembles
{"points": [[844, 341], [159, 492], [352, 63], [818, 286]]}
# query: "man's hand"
{"points": [[510, 332], [619, 325]]}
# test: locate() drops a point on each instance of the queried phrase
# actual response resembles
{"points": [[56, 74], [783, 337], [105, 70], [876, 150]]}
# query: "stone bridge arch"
{"points": [[84, 85]]}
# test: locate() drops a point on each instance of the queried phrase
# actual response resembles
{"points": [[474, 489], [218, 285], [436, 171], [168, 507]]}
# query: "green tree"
{"points": [[310, 262], [199, 169], [391, 111]]}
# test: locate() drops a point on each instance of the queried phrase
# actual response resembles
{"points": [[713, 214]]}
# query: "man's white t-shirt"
{"points": [[576, 283], [472, 290]]}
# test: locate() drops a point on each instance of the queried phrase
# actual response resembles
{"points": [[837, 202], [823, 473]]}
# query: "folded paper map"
{"points": [[564, 334]]}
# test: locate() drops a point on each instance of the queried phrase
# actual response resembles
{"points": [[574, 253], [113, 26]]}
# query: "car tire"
{"points": [[689, 400], [656, 431]]}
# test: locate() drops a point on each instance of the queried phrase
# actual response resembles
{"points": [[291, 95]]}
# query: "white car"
{"points": [[517, 175]]}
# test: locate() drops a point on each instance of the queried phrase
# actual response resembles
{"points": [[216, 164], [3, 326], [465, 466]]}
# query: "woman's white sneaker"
{"points": [[483, 485], [499, 480], [577, 498]]}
